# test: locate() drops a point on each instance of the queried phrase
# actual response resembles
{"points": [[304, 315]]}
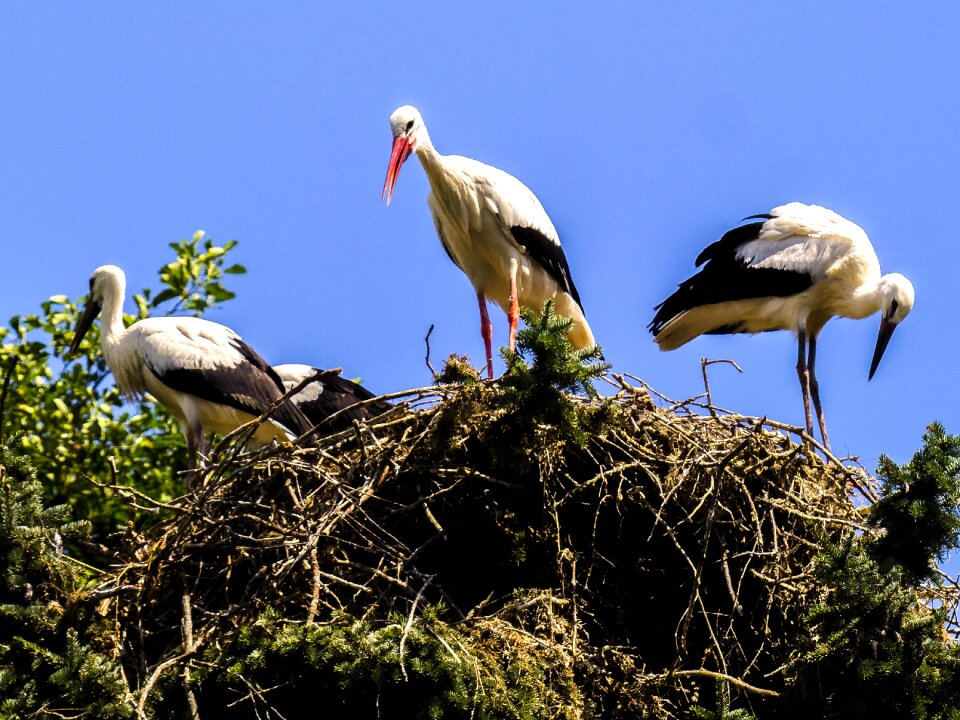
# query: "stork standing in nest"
{"points": [[328, 395], [494, 229], [201, 371], [793, 268]]}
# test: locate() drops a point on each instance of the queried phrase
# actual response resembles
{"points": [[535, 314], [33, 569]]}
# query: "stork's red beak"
{"points": [[401, 149], [883, 338], [86, 320]]}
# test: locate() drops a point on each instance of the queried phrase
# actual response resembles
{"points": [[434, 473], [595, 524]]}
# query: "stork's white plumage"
{"points": [[494, 229], [329, 401], [791, 269], [201, 371]]}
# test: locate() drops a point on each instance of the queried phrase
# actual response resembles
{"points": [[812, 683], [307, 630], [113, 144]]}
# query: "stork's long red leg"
{"points": [[815, 391], [514, 314], [486, 330], [803, 374]]}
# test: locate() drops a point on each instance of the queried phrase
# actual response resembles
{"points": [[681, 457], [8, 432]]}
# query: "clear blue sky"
{"points": [[646, 129]]}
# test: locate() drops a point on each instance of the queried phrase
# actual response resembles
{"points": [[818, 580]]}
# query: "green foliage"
{"points": [[193, 280], [31, 543], [545, 369], [48, 665], [358, 669], [553, 363], [722, 710], [457, 370], [876, 650], [919, 509], [70, 418]]}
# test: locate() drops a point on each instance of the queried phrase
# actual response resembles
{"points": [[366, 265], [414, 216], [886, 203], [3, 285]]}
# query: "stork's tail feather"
{"points": [[704, 320], [581, 336], [674, 333]]}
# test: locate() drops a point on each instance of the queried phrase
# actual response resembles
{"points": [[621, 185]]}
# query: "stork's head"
{"points": [[406, 124], [107, 283], [896, 293]]}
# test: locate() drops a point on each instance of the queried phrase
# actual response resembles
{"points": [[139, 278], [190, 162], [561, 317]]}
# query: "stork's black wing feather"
{"points": [[251, 386], [340, 394], [726, 278], [732, 239], [549, 255]]}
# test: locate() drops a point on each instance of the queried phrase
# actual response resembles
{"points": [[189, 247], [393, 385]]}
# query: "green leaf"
{"points": [[164, 295], [143, 307], [219, 293]]}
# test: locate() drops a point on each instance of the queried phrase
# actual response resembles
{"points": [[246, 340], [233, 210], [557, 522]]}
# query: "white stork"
{"points": [[201, 371], [791, 269], [494, 229], [328, 394]]}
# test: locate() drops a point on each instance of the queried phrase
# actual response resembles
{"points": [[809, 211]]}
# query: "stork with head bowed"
{"points": [[494, 229], [201, 371], [793, 268], [329, 401]]}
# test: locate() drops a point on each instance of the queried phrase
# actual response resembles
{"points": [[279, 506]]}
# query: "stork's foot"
{"points": [[489, 368]]}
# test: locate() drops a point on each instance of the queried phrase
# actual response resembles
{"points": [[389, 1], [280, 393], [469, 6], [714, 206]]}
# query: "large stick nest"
{"points": [[677, 545]]}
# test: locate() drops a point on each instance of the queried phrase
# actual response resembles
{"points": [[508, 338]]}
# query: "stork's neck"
{"points": [[865, 300], [111, 315], [430, 159]]}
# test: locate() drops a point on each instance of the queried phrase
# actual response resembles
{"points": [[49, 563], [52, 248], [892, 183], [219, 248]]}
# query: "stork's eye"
{"points": [[409, 125], [893, 306]]}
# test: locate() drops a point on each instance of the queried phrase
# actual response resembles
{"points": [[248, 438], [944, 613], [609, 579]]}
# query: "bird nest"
{"points": [[613, 578]]}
